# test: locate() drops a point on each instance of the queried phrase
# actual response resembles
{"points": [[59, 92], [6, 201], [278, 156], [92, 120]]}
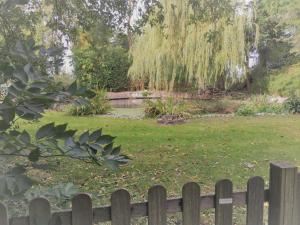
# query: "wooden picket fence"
{"points": [[283, 198]]}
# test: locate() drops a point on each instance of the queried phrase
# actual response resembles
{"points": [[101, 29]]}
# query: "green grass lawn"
{"points": [[285, 81], [203, 150]]}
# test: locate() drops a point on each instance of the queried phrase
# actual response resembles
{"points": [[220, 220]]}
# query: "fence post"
{"points": [[283, 194], [39, 212], [157, 206], [120, 208], [191, 204], [3, 215], [223, 203], [82, 210], [255, 201], [298, 200]]}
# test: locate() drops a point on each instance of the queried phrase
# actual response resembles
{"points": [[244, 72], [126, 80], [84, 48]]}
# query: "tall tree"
{"points": [[198, 43], [275, 44]]}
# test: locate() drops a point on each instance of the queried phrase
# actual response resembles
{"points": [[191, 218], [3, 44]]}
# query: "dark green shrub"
{"points": [[152, 110], [98, 105], [106, 69], [292, 104]]}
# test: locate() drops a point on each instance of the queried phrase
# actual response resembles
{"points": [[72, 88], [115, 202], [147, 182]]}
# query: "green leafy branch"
{"points": [[30, 93]]}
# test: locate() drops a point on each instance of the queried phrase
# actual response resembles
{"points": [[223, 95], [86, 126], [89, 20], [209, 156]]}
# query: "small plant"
{"points": [[170, 106], [81, 108], [152, 109], [245, 110], [260, 104], [292, 104], [146, 93], [98, 105], [4, 90]]}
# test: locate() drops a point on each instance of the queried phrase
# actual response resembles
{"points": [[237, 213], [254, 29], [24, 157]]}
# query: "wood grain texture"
{"points": [[191, 204], [298, 199], [65, 217], [283, 194], [224, 209], [39, 212], [120, 208], [255, 201], [19, 221], [55, 220], [3, 215], [157, 206], [82, 210]]}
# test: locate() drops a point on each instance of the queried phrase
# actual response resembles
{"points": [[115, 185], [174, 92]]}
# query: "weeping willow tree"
{"points": [[195, 45]]}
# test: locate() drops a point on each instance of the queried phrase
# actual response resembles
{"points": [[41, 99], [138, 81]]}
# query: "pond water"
{"points": [[132, 112], [139, 102], [126, 103]]}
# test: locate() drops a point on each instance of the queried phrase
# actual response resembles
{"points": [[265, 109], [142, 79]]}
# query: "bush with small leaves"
{"points": [[98, 105], [292, 104], [152, 109], [170, 106], [245, 110], [260, 104]]}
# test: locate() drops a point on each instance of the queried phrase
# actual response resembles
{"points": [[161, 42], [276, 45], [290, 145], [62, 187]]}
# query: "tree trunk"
{"points": [[131, 4], [248, 84]]}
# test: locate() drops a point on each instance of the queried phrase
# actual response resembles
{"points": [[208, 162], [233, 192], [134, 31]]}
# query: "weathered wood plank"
{"points": [[55, 220], [120, 208], [283, 194], [82, 210], [39, 212], [191, 204], [298, 199], [65, 217], [102, 214], [3, 215], [224, 203], [19, 221], [157, 206], [255, 201]]}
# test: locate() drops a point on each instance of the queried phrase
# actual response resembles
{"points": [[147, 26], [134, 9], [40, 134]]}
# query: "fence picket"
{"points": [[283, 194], [3, 215], [298, 197], [19, 221], [223, 203], [120, 208], [82, 210], [39, 212], [157, 206], [55, 220], [191, 204], [255, 201]]}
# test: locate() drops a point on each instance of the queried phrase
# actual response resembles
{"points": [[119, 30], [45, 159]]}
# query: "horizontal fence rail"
{"points": [[282, 186]]}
